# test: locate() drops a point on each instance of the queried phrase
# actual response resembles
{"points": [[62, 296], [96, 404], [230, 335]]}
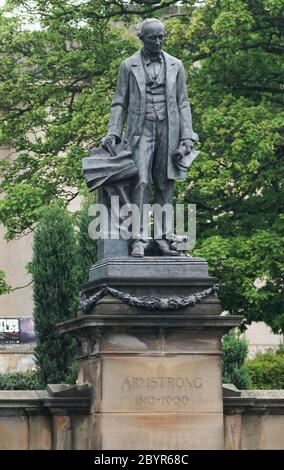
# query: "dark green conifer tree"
{"points": [[55, 294]]}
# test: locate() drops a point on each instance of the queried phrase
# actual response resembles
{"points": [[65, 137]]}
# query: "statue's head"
{"points": [[152, 33]]}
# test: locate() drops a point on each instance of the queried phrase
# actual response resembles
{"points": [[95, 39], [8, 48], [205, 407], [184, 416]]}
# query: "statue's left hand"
{"points": [[110, 138]]}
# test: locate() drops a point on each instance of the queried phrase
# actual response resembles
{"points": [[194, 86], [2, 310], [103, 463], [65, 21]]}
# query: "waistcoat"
{"points": [[156, 106]]}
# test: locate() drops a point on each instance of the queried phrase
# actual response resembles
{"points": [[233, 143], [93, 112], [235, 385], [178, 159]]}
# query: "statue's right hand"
{"points": [[110, 138]]}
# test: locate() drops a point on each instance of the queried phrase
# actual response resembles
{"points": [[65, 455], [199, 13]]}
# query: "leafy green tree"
{"points": [[55, 92], [234, 353], [4, 288], [234, 57], [54, 293]]}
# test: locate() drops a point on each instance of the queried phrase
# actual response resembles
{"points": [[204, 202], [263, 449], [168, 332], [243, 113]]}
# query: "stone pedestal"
{"points": [[156, 374]]}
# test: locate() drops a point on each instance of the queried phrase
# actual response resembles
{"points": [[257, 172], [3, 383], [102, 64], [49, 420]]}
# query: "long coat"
{"points": [[129, 104]]}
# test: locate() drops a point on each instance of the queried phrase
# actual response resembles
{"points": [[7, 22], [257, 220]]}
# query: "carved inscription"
{"points": [[165, 392], [146, 383]]}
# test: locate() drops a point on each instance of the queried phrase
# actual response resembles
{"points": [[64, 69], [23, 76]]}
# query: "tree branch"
{"points": [[21, 287]]}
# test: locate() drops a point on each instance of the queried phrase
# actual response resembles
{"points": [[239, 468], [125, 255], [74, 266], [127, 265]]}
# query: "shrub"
{"points": [[20, 381], [30, 380], [266, 370], [234, 352]]}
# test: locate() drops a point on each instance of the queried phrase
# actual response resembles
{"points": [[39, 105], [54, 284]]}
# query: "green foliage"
{"points": [[56, 84], [239, 261], [4, 288], [234, 57], [234, 352], [87, 248], [20, 381], [266, 370], [55, 294]]}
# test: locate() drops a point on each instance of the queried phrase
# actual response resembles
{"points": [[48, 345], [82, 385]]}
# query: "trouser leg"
{"points": [[163, 187], [143, 157]]}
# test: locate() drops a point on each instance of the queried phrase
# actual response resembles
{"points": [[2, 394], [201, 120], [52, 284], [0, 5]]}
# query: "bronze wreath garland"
{"points": [[150, 302]]}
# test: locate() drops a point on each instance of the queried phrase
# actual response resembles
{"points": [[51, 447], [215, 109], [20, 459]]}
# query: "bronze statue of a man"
{"points": [[151, 105]]}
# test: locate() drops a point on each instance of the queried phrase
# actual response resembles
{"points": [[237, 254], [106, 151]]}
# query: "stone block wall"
{"points": [[254, 420], [59, 419], [44, 419]]}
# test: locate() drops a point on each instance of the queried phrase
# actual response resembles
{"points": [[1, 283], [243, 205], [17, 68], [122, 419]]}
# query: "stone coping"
{"points": [[52, 400], [258, 402], [263, 394], [145, 319]]}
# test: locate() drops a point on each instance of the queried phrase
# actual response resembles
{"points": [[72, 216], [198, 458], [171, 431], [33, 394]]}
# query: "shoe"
{"points": [[138, 250], [164, 248]]}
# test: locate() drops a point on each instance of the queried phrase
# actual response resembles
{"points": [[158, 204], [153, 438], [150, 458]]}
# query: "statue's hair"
{"points": [[145, 23]]}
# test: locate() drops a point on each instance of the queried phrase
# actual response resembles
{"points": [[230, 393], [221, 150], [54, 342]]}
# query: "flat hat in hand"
{"points": [[108, 166]]}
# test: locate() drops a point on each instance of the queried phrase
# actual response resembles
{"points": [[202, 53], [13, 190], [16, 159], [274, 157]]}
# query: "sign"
{"points": [[17, 330], [9, 330]]}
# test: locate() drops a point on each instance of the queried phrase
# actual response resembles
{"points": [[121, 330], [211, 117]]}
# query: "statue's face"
{"points": [[153, 37]]}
